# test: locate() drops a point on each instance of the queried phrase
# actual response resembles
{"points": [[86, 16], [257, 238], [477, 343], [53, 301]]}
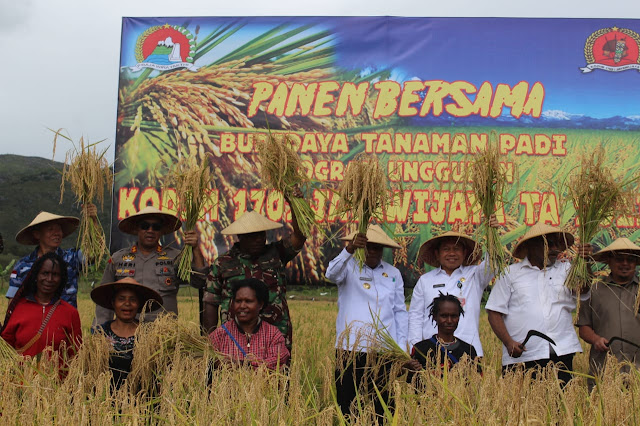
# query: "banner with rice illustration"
{"points": [[423, 94]]}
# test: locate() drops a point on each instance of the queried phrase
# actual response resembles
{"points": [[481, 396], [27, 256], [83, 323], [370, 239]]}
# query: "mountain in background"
{"points": [[29, 185], [552, 119]]}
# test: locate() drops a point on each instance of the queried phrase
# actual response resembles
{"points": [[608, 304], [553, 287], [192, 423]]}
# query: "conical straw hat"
{"points": [[250, 222], [104, 293], [375, 235], [67, 223], [427, 252], [538, 230], [170, 222], [622, 245]]}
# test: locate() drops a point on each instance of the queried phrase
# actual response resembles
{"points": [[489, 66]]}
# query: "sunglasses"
{"points": [[155, 226]]}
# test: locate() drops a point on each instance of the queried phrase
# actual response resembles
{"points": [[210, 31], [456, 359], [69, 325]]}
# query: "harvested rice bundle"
{"points": [[597, 196], [283, 170], [488, 181], [88, 172], [193, 183], [159, 341], [364, 193]]}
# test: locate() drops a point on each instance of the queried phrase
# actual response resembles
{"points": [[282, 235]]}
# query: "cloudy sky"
{"points": [[59, 58]]}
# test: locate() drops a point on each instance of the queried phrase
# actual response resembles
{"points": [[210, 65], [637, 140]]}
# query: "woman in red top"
{"points": [[246, 338], [37, 318]]}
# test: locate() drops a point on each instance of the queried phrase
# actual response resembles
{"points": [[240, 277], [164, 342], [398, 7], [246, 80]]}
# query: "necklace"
{"points": [[445, 344]]}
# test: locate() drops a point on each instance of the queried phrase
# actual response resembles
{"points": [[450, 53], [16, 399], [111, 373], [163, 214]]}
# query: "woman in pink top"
{"points": [[246, 339]]}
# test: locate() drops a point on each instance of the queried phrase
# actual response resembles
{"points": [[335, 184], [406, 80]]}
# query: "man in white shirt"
{"points": [[532, 294], [454, 255], [373, 294]]}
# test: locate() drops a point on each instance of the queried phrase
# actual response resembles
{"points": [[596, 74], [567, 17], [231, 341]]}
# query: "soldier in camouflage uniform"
{"points": [[252, 257]]}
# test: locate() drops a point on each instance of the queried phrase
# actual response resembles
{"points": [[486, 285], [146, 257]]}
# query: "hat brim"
{"points": [[69, 224], [520, 250], [604, 255], [170, 223], [388, 242], [427, 252], [249, 223], [103, 295]]}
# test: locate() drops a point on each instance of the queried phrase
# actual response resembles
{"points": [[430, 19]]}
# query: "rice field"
{"points": [[240, 396]]}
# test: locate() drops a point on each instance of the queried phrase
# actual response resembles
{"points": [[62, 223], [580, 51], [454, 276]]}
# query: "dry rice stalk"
{"points": [[364, 193], [283, 170], [193, 183], [89, 172], [488, 181], [158, 342], [597, 196]]}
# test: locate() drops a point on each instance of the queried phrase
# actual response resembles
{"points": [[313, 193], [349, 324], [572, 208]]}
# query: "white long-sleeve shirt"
{"points": [[530, 298], [466, 283], [360, 292]]}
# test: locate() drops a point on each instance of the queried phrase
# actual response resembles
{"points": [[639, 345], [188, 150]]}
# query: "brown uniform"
{"points": [[609, 312], [155, 270]]}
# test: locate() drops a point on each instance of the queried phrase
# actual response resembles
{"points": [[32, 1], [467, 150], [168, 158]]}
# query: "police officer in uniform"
{"points": [[148, 262]]}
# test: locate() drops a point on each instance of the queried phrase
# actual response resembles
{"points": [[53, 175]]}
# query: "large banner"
{"points": [[423, 94]]}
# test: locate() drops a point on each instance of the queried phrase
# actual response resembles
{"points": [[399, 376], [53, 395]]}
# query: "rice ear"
{"points": [[88, 171]]}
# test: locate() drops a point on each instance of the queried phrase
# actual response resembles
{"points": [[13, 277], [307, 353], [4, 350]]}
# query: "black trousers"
{"points": [[564, 362], [349, 376]]}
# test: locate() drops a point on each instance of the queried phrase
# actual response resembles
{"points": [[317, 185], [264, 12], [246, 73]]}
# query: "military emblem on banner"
{"points": [[612, 49], [165, 47]]}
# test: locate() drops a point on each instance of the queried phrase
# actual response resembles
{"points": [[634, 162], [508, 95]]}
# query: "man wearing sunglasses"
{"points": [[148, 262]]}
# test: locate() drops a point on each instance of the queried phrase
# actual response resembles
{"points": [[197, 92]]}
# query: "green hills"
{"points": [[29, 185]]}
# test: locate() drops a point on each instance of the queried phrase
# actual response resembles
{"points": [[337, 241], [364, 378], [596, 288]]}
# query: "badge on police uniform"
{"points": [[128, 257], [384, 274], [366, 286]]}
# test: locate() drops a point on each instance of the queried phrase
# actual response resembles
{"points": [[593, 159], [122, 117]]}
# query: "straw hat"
{"points": [[104, 293], [622, 245], [538, 230], [67, 223], [170, 222], [250, 222], [427, 252], [375, 235]]}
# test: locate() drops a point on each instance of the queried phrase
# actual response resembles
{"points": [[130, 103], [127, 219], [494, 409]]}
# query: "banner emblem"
{"points": [[165, 47], [612, 49]]}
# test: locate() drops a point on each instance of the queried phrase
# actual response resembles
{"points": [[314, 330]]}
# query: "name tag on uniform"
{"points": [[438, 285], [366, 279]]}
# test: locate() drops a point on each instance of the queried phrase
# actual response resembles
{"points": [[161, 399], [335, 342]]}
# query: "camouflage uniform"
{"points": [[269, 268]]}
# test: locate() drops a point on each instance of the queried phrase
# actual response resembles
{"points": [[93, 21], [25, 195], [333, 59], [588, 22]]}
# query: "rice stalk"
{"points": [[364, 194], [283, 170], [193, 183], [88, 171], [488, 180], [598, 196], [158, 342]]}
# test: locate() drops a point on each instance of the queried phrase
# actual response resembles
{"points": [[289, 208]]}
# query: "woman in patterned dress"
{"points": [[127, 298]]}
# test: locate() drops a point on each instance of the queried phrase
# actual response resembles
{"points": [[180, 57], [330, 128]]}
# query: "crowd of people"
{"points": [[245, 312]]}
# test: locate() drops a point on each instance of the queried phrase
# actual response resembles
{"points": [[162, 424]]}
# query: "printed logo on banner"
{"points": [[612, 49], [165, 47]]}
